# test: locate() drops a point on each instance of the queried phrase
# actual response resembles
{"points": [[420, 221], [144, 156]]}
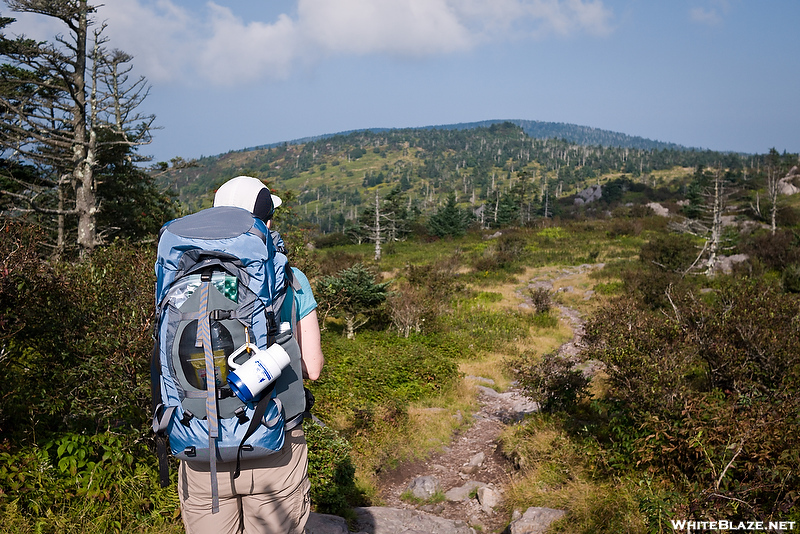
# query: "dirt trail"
{"points": [[459, 464]]}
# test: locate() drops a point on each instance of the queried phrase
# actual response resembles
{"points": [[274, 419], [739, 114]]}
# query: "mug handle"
{"points": [[247, 346]]}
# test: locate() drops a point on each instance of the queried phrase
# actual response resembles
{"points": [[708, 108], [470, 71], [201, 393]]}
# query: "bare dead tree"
{"points": [[376, 236], [709, 225], [773, 189], [61, 103]]}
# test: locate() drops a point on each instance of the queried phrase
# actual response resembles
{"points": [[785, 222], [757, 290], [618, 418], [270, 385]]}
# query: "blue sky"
{"points": [[225, 75]]}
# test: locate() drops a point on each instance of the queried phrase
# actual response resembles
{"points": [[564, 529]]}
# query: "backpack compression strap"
{"points": [[204, 337], [257, 419]]}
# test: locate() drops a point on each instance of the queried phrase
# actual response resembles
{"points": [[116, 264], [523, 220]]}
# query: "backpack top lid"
{"points": [[226, 230], [212, 224]]}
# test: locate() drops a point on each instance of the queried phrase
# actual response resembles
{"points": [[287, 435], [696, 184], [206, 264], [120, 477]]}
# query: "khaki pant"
{"points": [[270, 496]]}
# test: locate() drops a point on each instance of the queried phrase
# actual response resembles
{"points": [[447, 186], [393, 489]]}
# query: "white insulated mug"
{"points": [[252, 377]]}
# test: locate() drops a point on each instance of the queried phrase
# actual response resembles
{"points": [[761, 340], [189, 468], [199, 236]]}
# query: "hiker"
{"points": [[271, 494]]}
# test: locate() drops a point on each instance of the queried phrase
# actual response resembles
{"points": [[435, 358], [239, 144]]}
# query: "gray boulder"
{"points": [[535, 521], [380, 520], [326, 524], [462, 493], [489, 498], [424, 488]]}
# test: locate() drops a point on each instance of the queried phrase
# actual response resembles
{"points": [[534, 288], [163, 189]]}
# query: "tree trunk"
{"points": [[774, 185], [377, 228], [716, 223], [83, 149]]}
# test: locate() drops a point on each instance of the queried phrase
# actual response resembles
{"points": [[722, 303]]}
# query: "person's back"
{"points": [[272, 493]]}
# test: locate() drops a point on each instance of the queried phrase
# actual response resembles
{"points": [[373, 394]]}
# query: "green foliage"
{"points": [[380, 369], [541, 299], [75, 337], [553, 381], [776, 251], [132, 206], [85, 483], [352, 293], [706, 394], [663, 262], [331, 472], [437, 497], [478, 329], [610, 288], [417, 303], [449, 221], [553, 232], [506, 254], [670, 252]]}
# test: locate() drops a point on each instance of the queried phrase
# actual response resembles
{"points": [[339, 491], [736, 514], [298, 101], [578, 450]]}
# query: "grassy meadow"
{"points": [[79, 466]]}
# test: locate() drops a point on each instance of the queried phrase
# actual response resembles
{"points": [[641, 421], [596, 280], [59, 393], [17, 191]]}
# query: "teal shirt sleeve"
{"points": [[303, 298]]}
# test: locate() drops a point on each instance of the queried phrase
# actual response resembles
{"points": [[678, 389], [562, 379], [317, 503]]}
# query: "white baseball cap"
{"points": [[248, 193]]}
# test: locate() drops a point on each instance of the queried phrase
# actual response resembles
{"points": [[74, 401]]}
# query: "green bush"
{"points": [[381, 369], [670, 252], [85, 483], [331, 472], [553, 381], [541, 298], [40, 331], [506, 254], [707, 394]]}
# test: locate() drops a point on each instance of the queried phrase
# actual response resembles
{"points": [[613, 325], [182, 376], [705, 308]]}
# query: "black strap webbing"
{"points": [[258, 415], [163, 460], [155, 394]]}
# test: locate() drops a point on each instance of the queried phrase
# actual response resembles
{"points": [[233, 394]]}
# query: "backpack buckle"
{"points": [[220, 315], [241, 415], [187, 417]]}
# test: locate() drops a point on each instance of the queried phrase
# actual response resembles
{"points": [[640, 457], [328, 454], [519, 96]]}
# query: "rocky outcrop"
{"points": [[590, 194], [658, 209], [786, 185]]}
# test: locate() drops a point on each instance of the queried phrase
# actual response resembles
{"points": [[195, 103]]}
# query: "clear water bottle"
{"points": [[193, 359]]}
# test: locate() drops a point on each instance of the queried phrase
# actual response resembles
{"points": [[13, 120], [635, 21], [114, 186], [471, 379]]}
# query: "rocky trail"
{"points": [[471, 473]]}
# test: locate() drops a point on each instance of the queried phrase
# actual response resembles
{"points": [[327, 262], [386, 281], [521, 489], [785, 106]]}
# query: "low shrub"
{"points": [[86, 483], [541, 299], [553, 381], [380, 369], [331, 472], [707, 394]]}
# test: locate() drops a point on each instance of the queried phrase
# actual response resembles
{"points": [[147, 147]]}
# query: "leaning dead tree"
{"points": [[62, 104], [709, 224]]}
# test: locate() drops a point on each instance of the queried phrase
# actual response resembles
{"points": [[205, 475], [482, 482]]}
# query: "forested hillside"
{"points": [[504, 166], [688, 412]]}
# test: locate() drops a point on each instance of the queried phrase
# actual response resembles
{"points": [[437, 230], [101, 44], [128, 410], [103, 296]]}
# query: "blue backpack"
{"points": [[220, 283]]}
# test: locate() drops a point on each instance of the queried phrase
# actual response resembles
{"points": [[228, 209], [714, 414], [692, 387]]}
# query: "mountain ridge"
{"points": [[335, 177], [581, 135]]}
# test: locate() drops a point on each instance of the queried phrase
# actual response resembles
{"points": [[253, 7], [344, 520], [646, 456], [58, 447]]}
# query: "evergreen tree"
{"points": [[353, 294], [449, 221]]}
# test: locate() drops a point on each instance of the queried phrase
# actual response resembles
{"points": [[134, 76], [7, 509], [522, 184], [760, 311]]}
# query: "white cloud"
{"points": [[236, 51], [180, 39], [535, 18], [160, 36], [397, 27], [712, 14]]}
